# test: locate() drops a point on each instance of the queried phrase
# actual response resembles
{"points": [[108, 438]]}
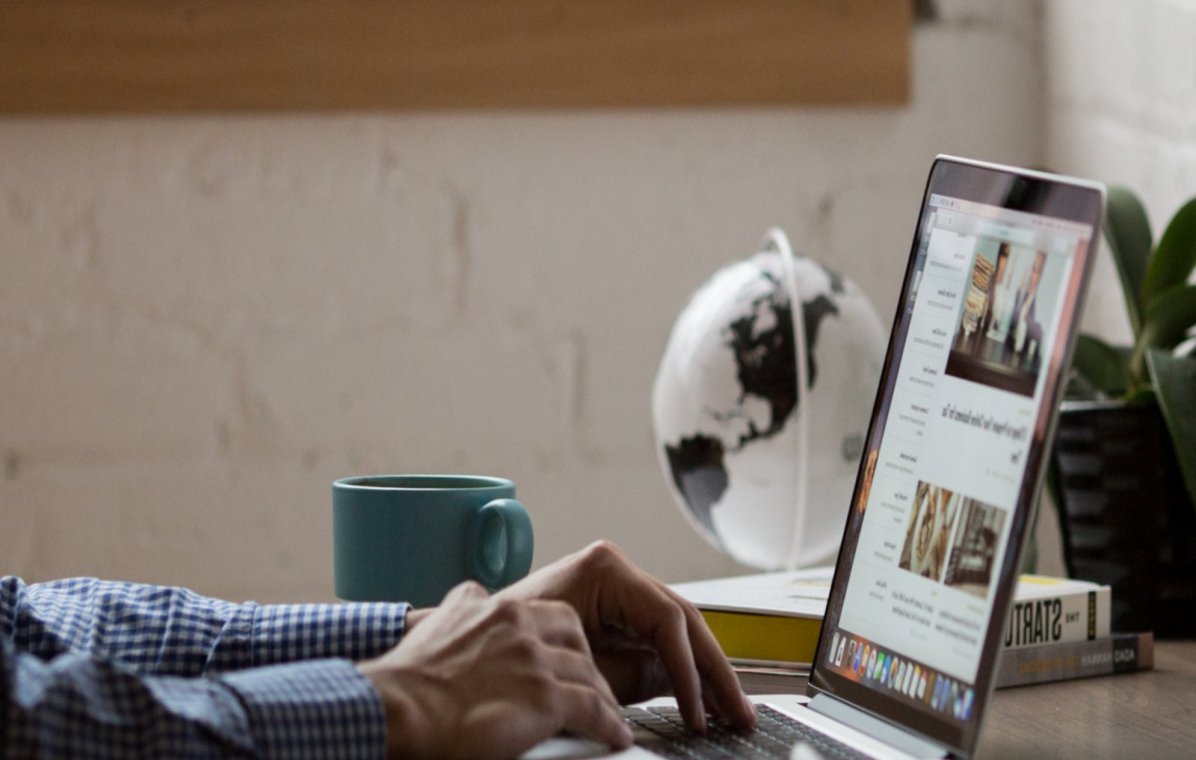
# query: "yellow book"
{"points": [[773, 617], [773, 638]]}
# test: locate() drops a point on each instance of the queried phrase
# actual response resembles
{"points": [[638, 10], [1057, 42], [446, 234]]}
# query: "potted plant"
{"points": [[1123, 469]]}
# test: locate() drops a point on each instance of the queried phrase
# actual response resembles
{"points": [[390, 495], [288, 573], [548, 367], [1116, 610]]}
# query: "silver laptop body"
{"points": [[960, 431]]}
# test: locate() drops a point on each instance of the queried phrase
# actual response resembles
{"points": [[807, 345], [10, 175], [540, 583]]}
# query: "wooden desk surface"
{"points": [[1137, 715]]}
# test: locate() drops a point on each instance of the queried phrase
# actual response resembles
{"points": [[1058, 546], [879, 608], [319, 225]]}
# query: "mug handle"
{"points": [[502, 543]]}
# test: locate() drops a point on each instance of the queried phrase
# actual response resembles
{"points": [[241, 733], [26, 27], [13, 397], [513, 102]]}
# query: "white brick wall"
{"points": [[1122, 109], [203, 321]]}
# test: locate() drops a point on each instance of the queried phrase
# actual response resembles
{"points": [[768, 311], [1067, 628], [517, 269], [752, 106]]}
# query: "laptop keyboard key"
{"points": [[662, 730]]}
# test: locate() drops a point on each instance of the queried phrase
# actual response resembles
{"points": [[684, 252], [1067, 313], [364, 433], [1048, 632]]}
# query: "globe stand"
{"points": [[777, 239]]}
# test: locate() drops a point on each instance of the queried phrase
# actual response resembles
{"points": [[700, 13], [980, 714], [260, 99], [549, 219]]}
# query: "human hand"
{"points": [[645, 638], [482, 677]]}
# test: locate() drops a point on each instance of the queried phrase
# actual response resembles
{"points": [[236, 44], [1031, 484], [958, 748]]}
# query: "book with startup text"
{"points": [[776, 617], [1049, 610]]}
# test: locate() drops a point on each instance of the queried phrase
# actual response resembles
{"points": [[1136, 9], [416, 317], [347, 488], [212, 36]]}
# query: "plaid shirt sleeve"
{"points": [[106, 669]]}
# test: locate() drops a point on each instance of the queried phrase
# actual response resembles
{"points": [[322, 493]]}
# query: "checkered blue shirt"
{"points": [[102, 669]]}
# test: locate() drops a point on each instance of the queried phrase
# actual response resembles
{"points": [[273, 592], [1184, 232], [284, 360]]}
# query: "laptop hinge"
{"points": [[878, 729]]}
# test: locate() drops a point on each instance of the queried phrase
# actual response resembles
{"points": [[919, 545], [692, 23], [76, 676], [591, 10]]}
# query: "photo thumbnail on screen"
{"points": [[952, 539], [1012, 296], [973, 555], [928, 532]]}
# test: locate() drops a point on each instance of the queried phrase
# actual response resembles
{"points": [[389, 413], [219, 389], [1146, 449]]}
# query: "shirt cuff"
{"points": [[353, 631], [316, 709]]}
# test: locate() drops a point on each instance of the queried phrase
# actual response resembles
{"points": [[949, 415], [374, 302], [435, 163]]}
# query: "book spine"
{"points": [[1081, 616], [1117, 653], [764, 637]]}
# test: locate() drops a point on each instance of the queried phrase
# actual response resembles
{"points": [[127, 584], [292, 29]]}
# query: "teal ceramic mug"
{"points": [[413, 537]]}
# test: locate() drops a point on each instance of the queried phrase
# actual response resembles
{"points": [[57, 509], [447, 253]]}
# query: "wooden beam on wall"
{"points": [[171, 56]]}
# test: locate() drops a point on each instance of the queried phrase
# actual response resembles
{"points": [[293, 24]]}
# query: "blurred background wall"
{"points": [[205, 320]]}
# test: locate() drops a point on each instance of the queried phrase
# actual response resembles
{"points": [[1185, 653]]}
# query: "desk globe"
{"points": [[762, 470]]}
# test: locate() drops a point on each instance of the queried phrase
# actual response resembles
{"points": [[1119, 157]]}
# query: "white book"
{"points": [[1045, 610]]}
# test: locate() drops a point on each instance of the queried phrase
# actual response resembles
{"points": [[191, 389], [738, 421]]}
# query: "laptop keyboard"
{"points": [[664, 732]]}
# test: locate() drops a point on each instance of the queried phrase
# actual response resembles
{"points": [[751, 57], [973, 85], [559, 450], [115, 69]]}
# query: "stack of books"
{"points": [[1058, 629]]}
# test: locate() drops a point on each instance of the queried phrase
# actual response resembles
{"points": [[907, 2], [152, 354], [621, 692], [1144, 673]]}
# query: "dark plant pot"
{"points": [[1124, 514]]}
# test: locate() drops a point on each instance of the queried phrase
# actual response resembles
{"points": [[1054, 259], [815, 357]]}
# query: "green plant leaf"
{"points": [[1128, 231], [1175, 384], [1140, 396], [1175, 257], [1105, 367], [1168, 319]]}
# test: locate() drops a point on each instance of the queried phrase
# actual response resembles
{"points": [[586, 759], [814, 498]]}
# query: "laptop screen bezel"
{"points": [[1006, 188]]}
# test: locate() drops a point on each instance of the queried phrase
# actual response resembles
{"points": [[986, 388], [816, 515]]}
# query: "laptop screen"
{"points": [[953, 458]]}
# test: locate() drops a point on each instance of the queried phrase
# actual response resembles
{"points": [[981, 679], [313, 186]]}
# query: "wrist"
{"points": [[415, 617], [396, 710]]}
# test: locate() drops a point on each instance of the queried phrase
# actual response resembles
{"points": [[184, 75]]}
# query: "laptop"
{"points": [[948, 483]]}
